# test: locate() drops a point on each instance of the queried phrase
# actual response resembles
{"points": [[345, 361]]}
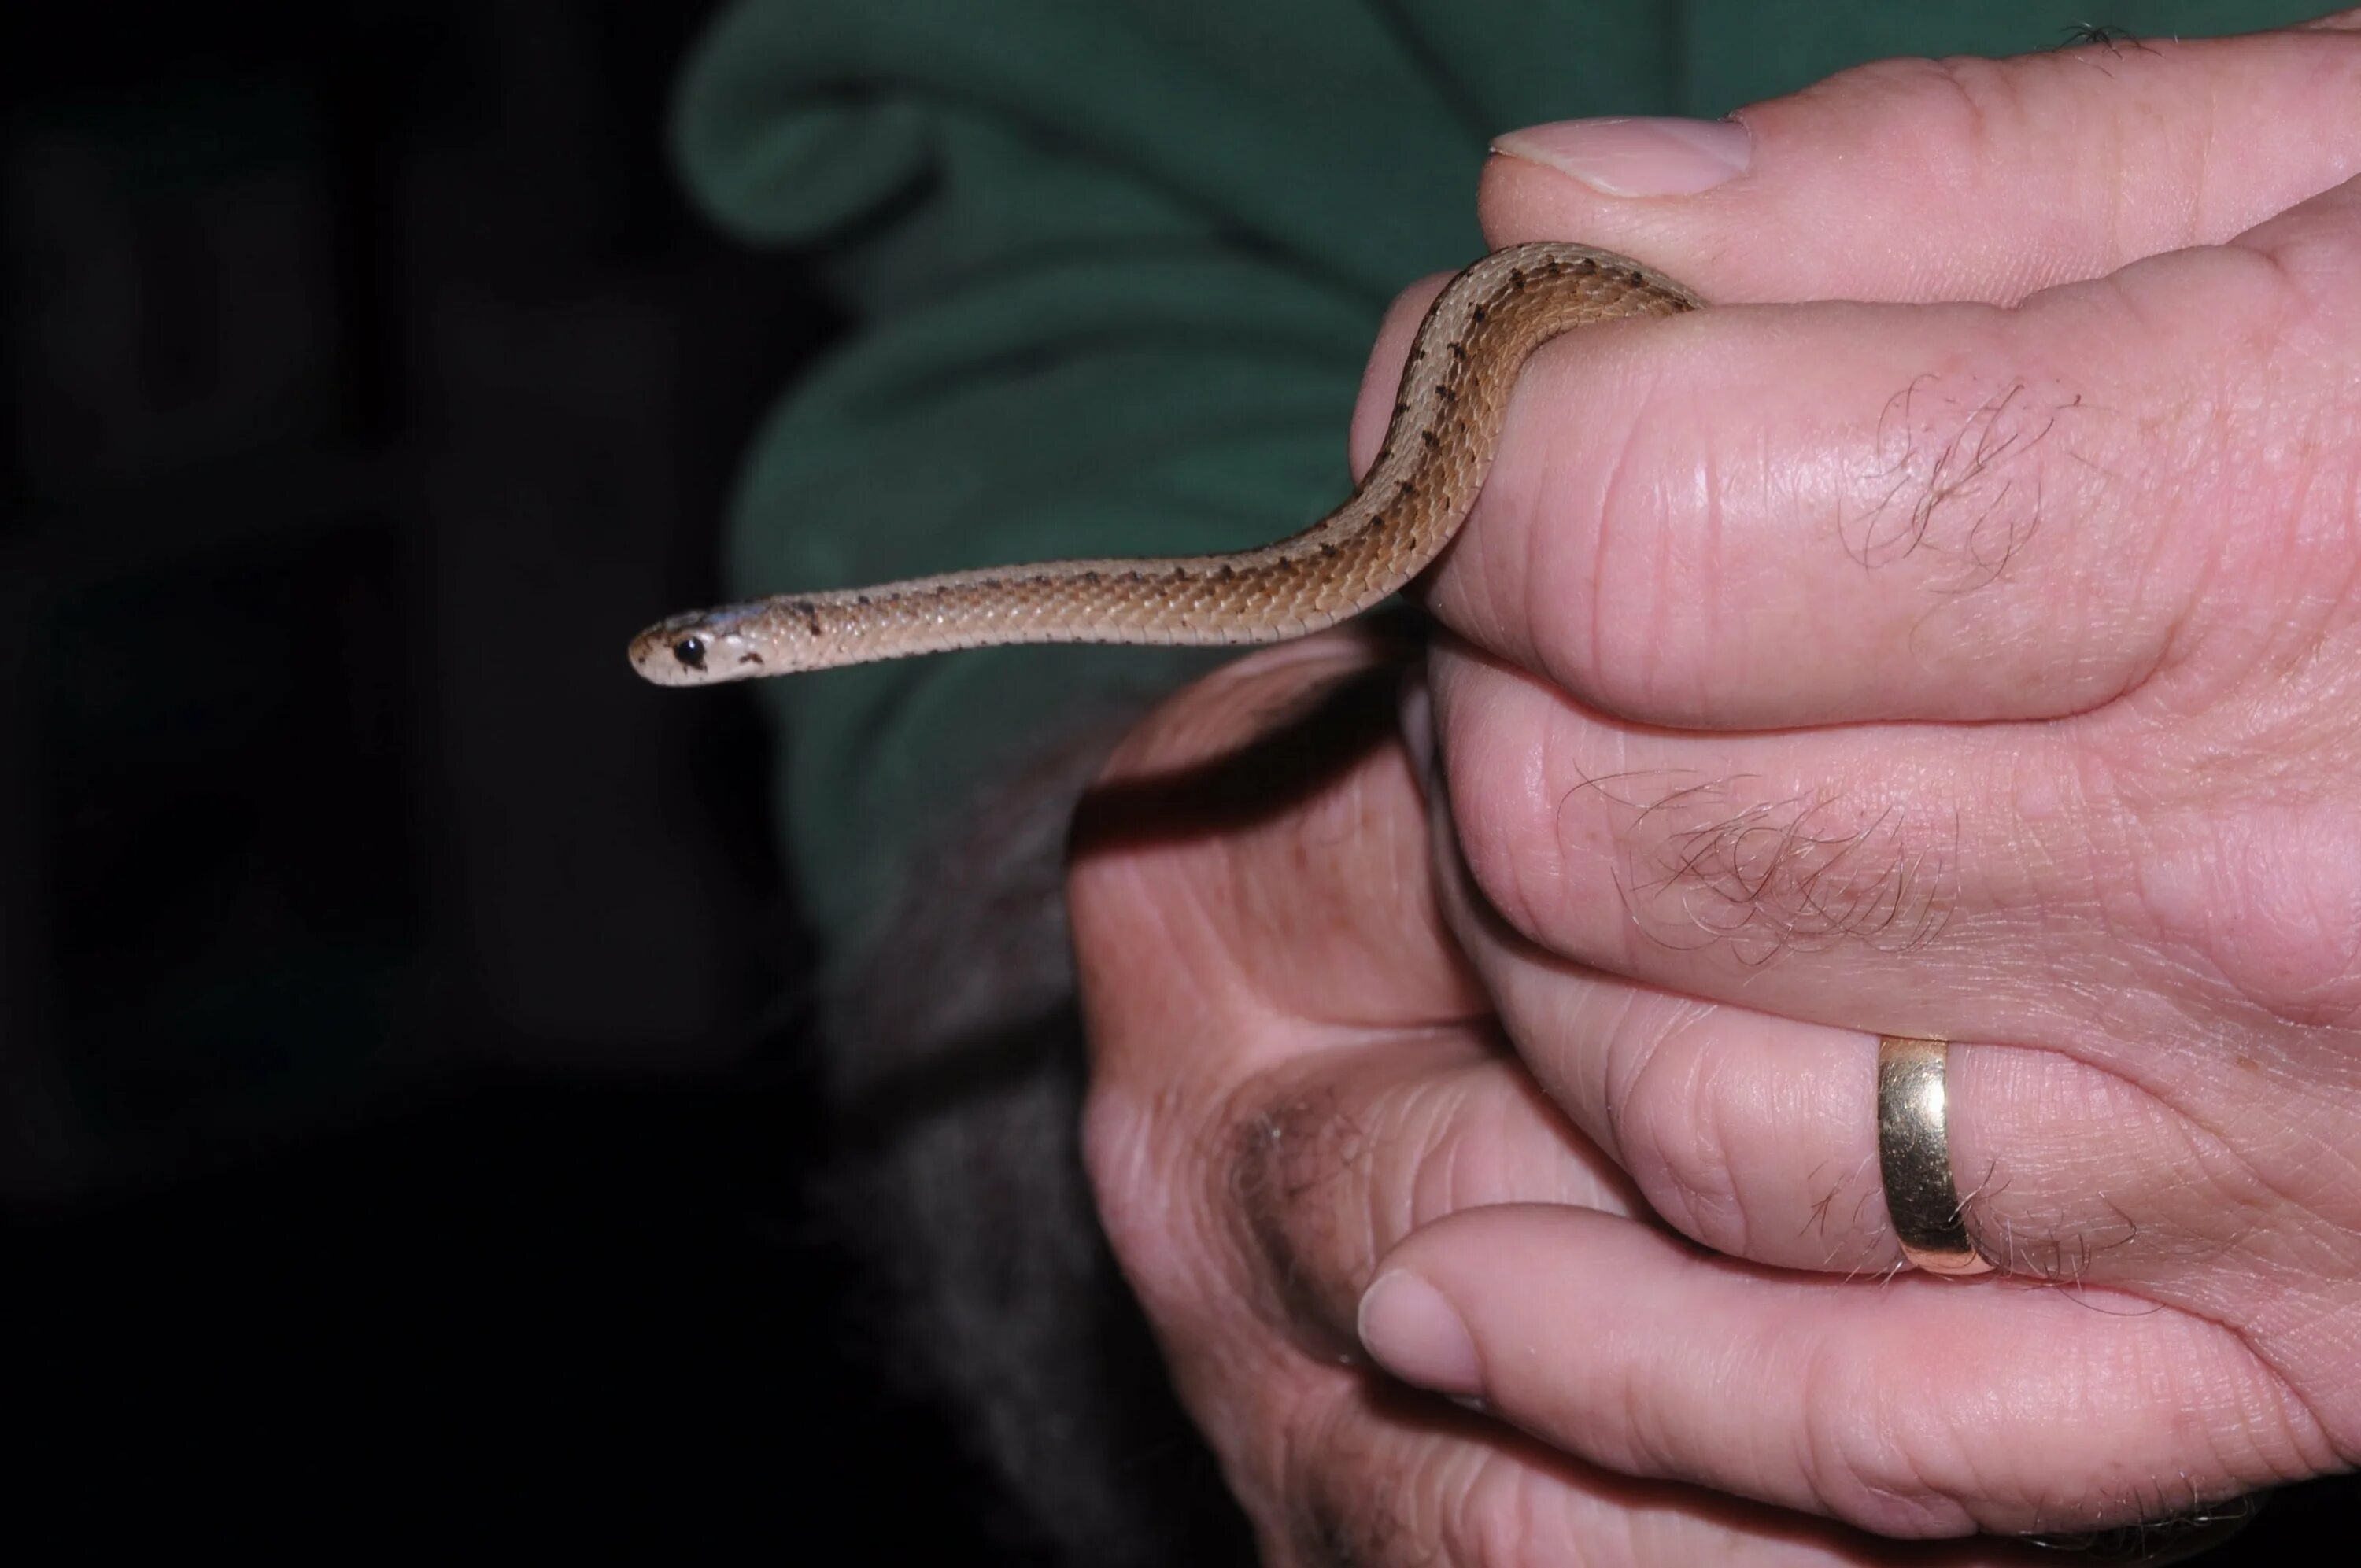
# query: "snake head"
{"points": [[700, 649]]}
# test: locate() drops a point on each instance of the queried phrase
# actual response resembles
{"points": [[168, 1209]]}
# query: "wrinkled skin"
{"points": [[1979, 661]]}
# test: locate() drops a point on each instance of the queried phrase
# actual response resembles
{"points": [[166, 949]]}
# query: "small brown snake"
{"points": [[1438, 448]]}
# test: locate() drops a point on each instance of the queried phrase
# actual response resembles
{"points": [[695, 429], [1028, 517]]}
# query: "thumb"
{"points": [[1918, 180]]}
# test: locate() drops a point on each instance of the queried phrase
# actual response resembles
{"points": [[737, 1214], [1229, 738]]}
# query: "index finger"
{"points": [[1753, 519]]}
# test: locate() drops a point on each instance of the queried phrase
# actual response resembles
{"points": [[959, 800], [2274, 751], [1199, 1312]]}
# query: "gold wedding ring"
{"points": [[1913, 1152]]}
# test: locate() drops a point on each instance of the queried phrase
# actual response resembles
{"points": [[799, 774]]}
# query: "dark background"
{"points": [[400, 1108], [402, 1113]]}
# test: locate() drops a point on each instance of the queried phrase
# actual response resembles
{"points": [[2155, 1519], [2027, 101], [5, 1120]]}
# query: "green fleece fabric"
{"points": [[1114, 266]]}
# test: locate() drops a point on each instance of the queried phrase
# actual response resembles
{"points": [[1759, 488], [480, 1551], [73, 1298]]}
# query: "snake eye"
{"points": [[690, 650]]}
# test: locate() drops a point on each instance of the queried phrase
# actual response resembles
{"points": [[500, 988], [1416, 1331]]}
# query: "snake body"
{"points": [[1454, 393]]}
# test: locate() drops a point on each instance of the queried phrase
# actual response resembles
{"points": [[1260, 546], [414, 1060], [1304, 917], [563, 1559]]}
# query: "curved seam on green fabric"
{"points": [[1223, 226], [1167, 341], [1200, 205], [1053, 255], [1323, 330]]}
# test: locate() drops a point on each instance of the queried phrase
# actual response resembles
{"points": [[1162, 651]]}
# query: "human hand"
{"points": [[1292, 1071], [1291, 1076], [1983, 671]]}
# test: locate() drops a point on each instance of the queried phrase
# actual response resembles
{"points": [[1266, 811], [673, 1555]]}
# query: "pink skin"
{"points": [[1988, 669]]}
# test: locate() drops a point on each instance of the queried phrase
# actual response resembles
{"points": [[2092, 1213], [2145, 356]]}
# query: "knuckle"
{"points": [[1669, 1131], [1297, 1461], [1504, 814], [1737, 863], [1161, 1185], [1345, 1502], [1374, 1488], [2312, 268], [1510, 1513], [1653, 609], [1617, 575], [1120, 1145], [1249, 1223], [1295, 1211], [1590, 862], [2255, 508], [1941, 119], [1952, 483], [1866, 1459], [2263, 902]]}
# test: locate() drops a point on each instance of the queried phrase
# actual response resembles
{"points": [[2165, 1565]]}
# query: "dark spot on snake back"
{"points": [[690, 650]]}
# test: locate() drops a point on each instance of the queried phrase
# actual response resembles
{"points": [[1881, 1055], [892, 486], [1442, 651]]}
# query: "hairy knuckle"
{"points": [[1954, 482], [1294, 1207], [1739, 864], [1207, 1203]]}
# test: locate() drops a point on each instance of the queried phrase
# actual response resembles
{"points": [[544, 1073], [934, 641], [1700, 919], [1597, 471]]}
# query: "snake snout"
{"points": [[673, 653]]}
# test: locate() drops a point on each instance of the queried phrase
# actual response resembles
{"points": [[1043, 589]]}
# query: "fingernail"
{"points": [[1637, 157], [1418, 721], [1413, 1333]]}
